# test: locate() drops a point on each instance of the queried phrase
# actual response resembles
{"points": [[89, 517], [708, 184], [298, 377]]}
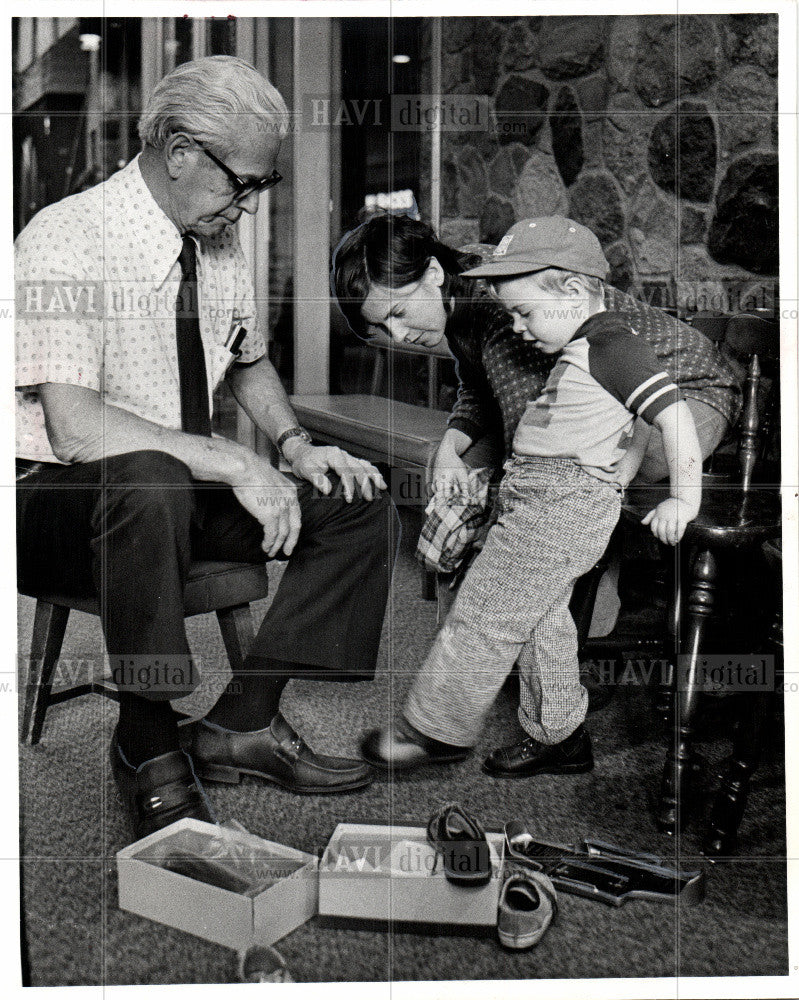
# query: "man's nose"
{"points": [[249, 203]]}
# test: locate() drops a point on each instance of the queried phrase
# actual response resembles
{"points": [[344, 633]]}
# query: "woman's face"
{"points": [[411, 314]]}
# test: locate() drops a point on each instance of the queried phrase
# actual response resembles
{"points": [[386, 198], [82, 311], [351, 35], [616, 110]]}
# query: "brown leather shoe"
{"points": [[277, 754], [160, 791]]}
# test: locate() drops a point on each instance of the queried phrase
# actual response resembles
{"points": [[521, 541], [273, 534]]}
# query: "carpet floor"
{"points": [[72, 826]]}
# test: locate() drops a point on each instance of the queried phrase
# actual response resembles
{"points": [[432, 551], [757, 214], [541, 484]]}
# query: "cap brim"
{"points": [[504, 268]]}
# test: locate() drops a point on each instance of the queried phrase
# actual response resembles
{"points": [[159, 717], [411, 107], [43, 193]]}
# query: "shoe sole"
{"points": [[519, 943], [232, 776], [383, 765], [557, 769], [469, 882]]}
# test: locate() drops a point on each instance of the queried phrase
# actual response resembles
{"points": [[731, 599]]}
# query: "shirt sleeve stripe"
{"points": [[659, 401], [642, 388]]}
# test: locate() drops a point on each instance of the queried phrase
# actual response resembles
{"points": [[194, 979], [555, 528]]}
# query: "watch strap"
{"points": [[292, 432]]}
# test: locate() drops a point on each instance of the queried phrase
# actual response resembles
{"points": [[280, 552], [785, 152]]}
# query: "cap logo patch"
{"points": [[502, 246]]}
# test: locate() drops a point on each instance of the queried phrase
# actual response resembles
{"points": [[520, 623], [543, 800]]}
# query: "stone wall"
{"points": [[657, 132]]}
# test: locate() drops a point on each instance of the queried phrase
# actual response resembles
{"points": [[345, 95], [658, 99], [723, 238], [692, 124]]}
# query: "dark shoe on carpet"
{"points": [[278, 754], [461, 841], [160, 791], [523, 760], [403, 748], [528, 903]]}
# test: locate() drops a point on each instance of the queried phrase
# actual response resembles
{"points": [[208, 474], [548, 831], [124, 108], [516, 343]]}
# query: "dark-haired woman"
{"points": [[394, 276]]}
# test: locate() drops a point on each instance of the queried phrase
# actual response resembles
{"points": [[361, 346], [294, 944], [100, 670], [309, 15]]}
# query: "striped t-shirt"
{"points": [[603, 378]]}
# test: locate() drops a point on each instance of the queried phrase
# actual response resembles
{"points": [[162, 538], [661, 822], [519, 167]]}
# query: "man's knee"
{"points": [[148, 467], [149, 485], [380, 510]]}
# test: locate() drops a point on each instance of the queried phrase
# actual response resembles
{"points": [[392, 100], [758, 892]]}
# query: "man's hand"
{"points": [[450, 474], [669, 519], [272, 500], [311, 462]]}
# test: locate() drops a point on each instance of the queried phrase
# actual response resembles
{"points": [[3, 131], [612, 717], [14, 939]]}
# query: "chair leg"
{"points": [[583, 601], [730, 800], [49, 626], [664, 700], [677, 772], [428, 582], [235, 624]]}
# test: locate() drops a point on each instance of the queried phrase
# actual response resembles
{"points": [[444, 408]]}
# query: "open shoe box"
{"points": [[389, 873], [283, 896]]}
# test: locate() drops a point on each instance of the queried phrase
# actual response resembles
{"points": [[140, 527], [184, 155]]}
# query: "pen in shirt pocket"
{"points": [[234, 339]]}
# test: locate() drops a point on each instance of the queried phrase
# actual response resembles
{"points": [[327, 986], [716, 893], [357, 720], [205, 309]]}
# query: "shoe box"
{"points": [[229, 886], [391, 874], [220, 883]]}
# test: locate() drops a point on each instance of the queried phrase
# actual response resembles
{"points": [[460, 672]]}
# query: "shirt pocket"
{"points": [[219, 360]]}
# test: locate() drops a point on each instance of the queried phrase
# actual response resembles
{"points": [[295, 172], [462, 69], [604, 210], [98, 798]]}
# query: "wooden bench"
{"points": [[403, 436]]}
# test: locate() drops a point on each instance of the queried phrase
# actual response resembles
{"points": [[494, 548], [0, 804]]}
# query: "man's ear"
{"points": [[175, 152], [434, 273]]}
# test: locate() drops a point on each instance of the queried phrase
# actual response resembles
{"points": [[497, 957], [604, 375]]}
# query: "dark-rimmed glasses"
{"points": [[241, 187]]}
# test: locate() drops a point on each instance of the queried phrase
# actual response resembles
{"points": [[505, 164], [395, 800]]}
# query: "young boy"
{"points": [[557, 508]]}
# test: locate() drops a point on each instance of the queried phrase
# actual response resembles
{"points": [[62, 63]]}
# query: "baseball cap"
{"points": [[536, 244]]}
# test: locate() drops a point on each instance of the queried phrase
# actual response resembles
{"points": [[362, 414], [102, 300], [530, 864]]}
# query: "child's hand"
{"points": [[669, 520]]}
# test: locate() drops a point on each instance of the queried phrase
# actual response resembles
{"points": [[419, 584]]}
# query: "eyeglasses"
{"points": [[242, 187]]}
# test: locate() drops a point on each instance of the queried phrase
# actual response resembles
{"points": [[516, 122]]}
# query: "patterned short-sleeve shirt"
{"points": [[97, 278]]}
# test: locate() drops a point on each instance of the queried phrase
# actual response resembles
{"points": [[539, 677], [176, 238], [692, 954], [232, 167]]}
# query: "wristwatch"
{"points": [[292, 432]]}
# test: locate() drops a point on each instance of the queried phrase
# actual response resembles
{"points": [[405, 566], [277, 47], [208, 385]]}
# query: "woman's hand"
{"points": [[450, 474], [628, 465]]}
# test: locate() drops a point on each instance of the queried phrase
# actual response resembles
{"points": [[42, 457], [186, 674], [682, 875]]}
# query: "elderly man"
{"points": [[120, 482]]}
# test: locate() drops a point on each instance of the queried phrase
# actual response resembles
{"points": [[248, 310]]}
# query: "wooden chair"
{"points": [[227, 588], [755, 709], [712, 325], [735, 519]]}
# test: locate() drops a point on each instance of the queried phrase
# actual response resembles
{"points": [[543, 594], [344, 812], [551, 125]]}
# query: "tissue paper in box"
{"points": [[270, 892]]}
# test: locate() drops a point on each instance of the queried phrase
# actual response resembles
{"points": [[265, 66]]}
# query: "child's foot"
{"points": [[403, 748], [523, 760]]}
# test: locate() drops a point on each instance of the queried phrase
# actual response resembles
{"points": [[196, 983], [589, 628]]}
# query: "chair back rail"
{"points": [[750, 422], [752, 338]]}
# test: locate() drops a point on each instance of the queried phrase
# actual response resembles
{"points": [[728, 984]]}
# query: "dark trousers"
{"points": [[126, 528]]}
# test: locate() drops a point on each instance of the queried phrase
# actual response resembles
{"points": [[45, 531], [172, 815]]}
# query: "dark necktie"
{"points": [[195, 416]]}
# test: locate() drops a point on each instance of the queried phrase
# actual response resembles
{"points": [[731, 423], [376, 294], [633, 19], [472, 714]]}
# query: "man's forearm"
{"points": [[260, 393], [84, 429]]}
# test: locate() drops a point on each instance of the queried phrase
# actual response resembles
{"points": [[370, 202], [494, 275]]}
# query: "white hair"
{"points": [[210, 99]]}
